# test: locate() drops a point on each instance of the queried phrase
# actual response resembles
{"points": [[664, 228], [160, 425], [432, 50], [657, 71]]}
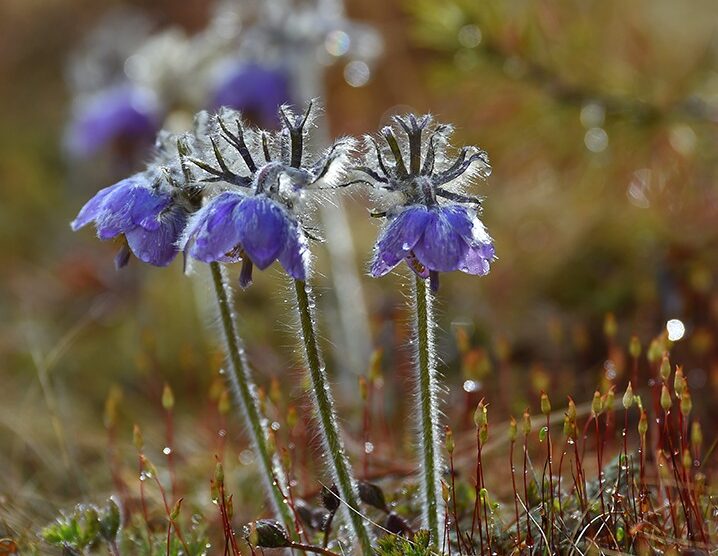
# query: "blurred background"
{"points": [[600, 120]]}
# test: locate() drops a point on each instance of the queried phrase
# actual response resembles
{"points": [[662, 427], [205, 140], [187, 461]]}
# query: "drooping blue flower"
{"points": [[257, 217], [117, 113], [431, 224], [145, 216], [256, 90]]}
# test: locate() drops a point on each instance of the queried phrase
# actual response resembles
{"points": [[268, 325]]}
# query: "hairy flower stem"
{"points": [[327, 417], [244, 391], [426, 407]]}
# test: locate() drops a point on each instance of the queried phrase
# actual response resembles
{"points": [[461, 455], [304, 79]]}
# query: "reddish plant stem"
{"points": [[529, 540], [516, 495], [169, 432], [459, 539]]}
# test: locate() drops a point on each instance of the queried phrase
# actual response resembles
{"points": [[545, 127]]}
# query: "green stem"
{"points": [[245, 394], [427, 407], [327, 418]]}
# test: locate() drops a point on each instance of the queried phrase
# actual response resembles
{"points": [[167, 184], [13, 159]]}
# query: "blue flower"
{"points": [[439, 238], [430, 224], [233, 226], [145, 216], [257, 215], [121, 112], [256, 90]]}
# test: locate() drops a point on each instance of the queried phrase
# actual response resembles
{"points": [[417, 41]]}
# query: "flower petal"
{"points": [[212, 232], [441, 247], [92, 208], [263, 229], [398, 238], [478, 258], [295, 255], [159, 246]]}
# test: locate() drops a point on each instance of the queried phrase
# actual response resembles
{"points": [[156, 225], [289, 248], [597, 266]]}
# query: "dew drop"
{"points": [[368, 447], [167, 450]]}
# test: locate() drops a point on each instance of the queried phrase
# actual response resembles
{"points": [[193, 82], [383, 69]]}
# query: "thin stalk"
{"points": [[426, 407], [327, 417], [244, 391]]}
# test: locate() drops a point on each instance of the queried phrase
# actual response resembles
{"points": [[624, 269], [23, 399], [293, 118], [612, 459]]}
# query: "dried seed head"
{"points": [[545, 404], [666, 398], [330, 498], [628, 397], [373, 495], [267, 533]]}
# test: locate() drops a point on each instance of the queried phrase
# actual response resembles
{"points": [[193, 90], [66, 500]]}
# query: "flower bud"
{"points": [[696, 436], [686, 403], [634, 347], [449, 440], [609, 399], [484, 433], [628, 397], [481, 414], [174, 514], [665, 370], [571, 411], [687, 459], [545, 404], [275, 392], [543, 432], [643, 424], [609, 325], [512, 429], [110, 521], [168, 398], [219, 473], [292, 417], [526, 428], [137, 438], [445, 492], [666, 399], [224, 403], [372, 495], [679, 381], [267, 533], [596, 404]]}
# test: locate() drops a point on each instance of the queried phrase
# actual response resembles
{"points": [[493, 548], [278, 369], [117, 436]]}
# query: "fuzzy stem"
{"points": [[426, 406], [327, 417], [244, 391]]}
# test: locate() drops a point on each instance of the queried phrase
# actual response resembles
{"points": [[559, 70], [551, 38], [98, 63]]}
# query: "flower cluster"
{"points": [[247, 192], [432, 224]]}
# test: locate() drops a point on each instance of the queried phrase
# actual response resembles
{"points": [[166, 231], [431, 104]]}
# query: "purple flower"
{"points": [[256, 90], [432, 225], [257, 215], [146, 217], [440, 238], [121, 112], [257, 230]]}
